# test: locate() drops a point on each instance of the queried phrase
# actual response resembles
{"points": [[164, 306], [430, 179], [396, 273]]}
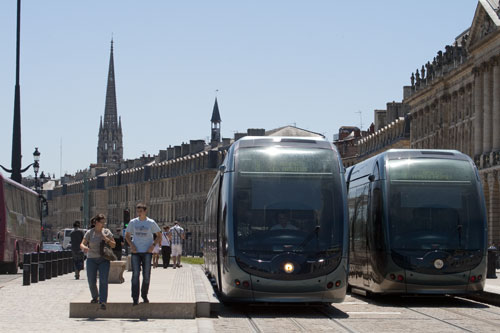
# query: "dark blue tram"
{"points": [[276, 222], [417, 223]]}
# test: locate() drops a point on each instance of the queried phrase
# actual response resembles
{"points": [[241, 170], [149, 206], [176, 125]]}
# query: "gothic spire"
{"points": [[110, 110], [215, 113]]}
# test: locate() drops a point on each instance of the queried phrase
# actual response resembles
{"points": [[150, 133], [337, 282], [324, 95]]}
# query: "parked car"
{"points": [[50, 247]]}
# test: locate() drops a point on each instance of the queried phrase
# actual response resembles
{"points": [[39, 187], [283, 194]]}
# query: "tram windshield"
{"points": [[287, 200], [434, 204]]}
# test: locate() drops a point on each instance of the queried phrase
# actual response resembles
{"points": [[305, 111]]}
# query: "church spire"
{"points": [[110, 110], [110, 144], [215, 136], [215, 113]]}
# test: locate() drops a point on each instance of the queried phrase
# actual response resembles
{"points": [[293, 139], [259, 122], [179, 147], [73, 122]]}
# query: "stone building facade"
{"points": [[455, 103]]}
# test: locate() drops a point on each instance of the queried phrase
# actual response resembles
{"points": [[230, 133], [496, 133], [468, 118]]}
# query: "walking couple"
{"points": [[171, 245]]}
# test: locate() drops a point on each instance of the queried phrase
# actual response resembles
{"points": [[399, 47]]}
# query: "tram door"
{"points": [[359, 239]]}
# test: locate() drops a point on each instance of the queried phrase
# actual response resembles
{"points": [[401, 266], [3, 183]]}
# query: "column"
{"points": [[496, 105], [493, 209], [478, 113], [487, 112]]}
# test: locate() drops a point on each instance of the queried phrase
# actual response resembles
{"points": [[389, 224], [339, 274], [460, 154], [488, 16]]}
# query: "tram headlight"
{"points": [[288, 267], [438, 263]]}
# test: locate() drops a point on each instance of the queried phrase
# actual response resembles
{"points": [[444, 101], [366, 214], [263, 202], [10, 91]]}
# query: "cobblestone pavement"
{"points": [[44, 307]]}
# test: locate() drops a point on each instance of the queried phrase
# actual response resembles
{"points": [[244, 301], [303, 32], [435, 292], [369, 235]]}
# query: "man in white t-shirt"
{"points": [[139, 236]]}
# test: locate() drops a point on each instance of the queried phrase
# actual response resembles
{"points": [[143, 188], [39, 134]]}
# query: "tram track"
{"points": [[439, 319], [472, 317], [335, 320], [253, 325]]}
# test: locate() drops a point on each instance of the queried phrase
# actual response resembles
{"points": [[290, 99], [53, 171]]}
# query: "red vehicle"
{"points": [[19, 224]]}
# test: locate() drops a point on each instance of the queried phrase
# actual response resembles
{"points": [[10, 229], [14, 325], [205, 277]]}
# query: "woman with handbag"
{"points": [[96, 243]]}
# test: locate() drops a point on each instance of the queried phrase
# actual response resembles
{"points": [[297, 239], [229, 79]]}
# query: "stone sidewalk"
{"points": [[44, 307], [181, 293]]}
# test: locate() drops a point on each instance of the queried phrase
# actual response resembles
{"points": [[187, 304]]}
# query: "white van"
{"points": [[65, 237]]}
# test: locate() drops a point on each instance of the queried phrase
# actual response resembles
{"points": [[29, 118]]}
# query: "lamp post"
{"points": [[36, 168]]}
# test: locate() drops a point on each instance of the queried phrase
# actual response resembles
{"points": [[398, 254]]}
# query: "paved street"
{"points": [[45, 306]]}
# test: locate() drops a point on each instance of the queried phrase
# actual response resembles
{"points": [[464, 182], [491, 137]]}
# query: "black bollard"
{"points": [[54, 264], [34, 267], [41, 266], [492, 258], [26, 269], [59, 263], [48, 265], [65, 262], [68, 260], [71, 262]]}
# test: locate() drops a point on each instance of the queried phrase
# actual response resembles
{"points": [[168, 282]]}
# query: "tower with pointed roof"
{"points": [[215, 136], [110, 143]]}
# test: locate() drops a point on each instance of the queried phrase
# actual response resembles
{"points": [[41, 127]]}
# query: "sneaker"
{"points": [[103, 306], [94, 301], [145, 300]]}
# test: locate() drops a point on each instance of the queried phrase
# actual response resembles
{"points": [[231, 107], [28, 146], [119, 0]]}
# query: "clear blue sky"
{"points": [[275, 63]]}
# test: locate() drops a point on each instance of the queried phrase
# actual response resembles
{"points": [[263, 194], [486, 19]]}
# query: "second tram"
{"points": [[417, 223], [276, 219]]}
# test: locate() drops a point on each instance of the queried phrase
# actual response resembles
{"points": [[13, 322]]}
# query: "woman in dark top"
{"points": [[91, 244]]}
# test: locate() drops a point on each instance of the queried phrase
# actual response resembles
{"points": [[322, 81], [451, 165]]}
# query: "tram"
{"points": [[19, 224], [417, 224], [276, 222]]}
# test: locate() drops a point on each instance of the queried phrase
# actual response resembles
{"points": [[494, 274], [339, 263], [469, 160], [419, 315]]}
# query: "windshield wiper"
{"points": [[308, 238]]}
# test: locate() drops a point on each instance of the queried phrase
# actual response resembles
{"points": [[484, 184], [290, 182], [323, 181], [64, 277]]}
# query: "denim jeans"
{"points": [[141, 260], [101, 265]]}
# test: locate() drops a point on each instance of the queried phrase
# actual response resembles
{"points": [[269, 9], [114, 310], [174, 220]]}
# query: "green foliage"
{"points": [[192, 260]]}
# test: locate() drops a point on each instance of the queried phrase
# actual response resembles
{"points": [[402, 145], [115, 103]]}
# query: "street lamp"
{"points": [[38, 189]]}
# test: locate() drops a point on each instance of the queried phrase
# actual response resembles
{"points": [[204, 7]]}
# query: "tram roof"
{"points": [[16, 184], [426, 153], [261, 141]]}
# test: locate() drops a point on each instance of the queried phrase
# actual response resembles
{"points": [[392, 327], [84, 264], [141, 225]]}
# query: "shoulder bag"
{"points": [[106, 252]]}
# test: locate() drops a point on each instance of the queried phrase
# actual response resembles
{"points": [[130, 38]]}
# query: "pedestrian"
{"points": [[91, 244], [165, 246], [76, 237], [156, 253], [177, 234], [139, 236], [119, 244]]}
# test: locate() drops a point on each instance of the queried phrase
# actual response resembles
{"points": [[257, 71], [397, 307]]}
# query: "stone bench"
{"points": [[116, 270]]}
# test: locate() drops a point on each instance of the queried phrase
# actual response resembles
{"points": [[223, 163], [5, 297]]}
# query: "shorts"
{"points": [[176, 250], [156, 250]]}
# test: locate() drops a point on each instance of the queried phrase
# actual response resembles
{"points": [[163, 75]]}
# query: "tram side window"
{"points": [[359, 224]]}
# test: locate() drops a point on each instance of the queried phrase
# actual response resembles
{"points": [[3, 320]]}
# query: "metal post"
{"points": [[16, 130], [41, 266], [59, 263], [48, 265], [54, 264], [26, 269], [34, 267]]}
